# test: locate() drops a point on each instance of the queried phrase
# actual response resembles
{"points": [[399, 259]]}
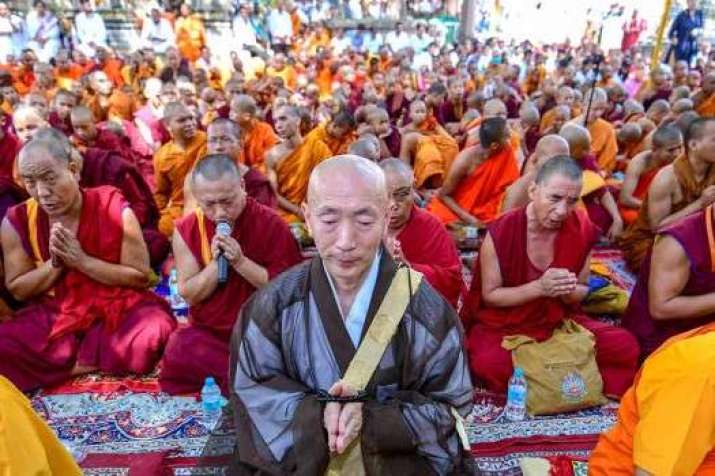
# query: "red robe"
{"points": [[118, 329], [61, 125], [616, 349], [265, 239], [9, 148], [430, 250], [259, 188], [107, 167]]}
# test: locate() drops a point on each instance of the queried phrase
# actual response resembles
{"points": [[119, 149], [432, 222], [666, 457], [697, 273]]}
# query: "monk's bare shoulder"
{"points": [[638, 163], [665, 181], [277, 153]]}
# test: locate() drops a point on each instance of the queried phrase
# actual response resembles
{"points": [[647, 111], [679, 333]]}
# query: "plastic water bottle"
{"points": [[515, 409], [211, 403], [178, 305]]}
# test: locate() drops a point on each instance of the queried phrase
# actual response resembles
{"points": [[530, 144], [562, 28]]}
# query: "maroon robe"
{"points": [[691, 234], [117, 329], [531, 138], [429, 249], [9, 148], [616, 349], [265, 239], [394, 141], [259, 188], [107, 167], [62, 125]]}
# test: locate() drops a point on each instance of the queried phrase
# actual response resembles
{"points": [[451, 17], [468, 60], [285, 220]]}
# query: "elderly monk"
{"points": [[532, 269], [27, 443], [293, 347], [676, 283], [603, 135], [595, 195], [658, 111], [475, 185], [259, 247], [224, 137], [77, 257], [704, 100], [290, 162], [427, 146], [678, 190], [59, 117], [337, 133], [257, 137], [517, 195], [642, 169], [665, 421], [417, 238], [565, 98], [367, 146], [561, 115], [173, 161], [107, 167], [106, 102]]}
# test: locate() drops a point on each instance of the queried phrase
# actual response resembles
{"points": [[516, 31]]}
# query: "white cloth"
{"points": [[373, 43], [244, 33], [12, 30], [420, 43], [355, 320], [89, 29], [280, 26], [43, 28], [159, 36], [339, 45], [397, 41]]}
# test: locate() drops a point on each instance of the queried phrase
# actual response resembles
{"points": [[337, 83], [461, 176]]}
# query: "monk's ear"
{"points": [[75, 164], [306, 216], [533, 187]]}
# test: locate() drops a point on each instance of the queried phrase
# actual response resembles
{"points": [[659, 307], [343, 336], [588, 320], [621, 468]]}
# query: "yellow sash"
{"points": [[368, 355], [591, 182], [205, 245], [32, 207]]}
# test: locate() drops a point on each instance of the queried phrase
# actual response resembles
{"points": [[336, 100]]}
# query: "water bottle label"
{"points": [[517, 395]]}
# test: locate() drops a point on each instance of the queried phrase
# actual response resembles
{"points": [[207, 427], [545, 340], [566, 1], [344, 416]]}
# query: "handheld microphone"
{"points": [[223, 228]]}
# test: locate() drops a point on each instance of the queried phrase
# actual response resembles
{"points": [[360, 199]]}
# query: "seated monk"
{"points": [[676, 283], [561, 115], [59, 117], [632, 111], [337, 133], [99, 167], [603, 135], [224, 137], [704, 100], [528, 127], [678, 190], [427, 146], [77, 257], [532, 269], [417, 238], [517, 194], [595, 195], [27, 443], [39, 102], [257, 137], [9, 147], [87, 134], [290, 162], [475, 185], [106, 101], [629, 138], [665, 421], [658, 111], [495, 108], [259, 248], [565, 98], [642, 169], [451, 111], [173, 161], [367, 146], [390, 138]]}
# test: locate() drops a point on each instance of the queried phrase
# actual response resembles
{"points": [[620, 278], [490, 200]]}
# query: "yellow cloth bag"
{"points": [[609, 299], [561, 372]]}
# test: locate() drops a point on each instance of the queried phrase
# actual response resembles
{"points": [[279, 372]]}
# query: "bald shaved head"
{"points": [[27, 120], [631, 106], [599, 96], [243, 104], [400, 180], [578, 138], [397, 166], [682, 105], [494, 108], [367, 146], [529, 114], [549, 146], [658, 110], [81, 113], [347, 166]]}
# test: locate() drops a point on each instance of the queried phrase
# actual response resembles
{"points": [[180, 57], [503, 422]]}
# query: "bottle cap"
{"points": [[518, 372], [209, 381]]}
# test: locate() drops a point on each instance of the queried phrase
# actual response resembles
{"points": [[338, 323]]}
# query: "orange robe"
{"points": [[604, 144], [434, 154], [293, 172], [113, 69], [707, 107], [256, 142], [288, 74], [336, 146], [481, 193], [120, 106], [631, 214], [65, 79], [171, 165], [190, 37], [665, 421]]}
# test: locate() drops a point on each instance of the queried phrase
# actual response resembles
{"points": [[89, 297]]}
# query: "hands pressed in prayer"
{"points": [[557, 282], [230, 248], [343, 421], [65, 247]]}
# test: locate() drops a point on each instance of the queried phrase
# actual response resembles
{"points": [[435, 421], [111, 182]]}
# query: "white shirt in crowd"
{"points": [[12, 36], [89, 29], [397, 41], [340, 44], [280, 26], [243, 31], [159, 36]]}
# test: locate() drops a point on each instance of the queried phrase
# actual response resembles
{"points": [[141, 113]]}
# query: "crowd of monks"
{"points": [[106, 185]]}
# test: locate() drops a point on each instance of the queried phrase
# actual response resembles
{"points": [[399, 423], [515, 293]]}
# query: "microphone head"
{"points": [[223, 228]]}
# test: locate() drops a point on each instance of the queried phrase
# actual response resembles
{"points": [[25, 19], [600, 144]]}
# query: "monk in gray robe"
{"points": [[297, 409]]}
